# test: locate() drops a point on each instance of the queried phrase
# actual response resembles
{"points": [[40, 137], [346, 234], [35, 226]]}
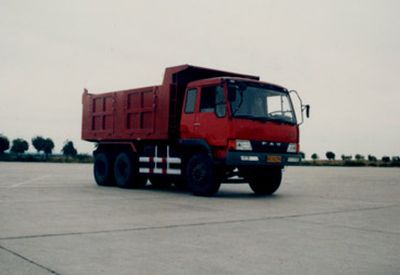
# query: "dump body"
{"points": [[150, 113], [123, 115]]}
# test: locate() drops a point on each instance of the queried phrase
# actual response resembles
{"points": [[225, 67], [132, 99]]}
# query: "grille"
{"points": [[269, 146]]}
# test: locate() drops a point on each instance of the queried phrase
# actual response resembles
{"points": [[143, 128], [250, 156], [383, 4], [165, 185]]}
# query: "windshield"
{"points": [[254, 101]]}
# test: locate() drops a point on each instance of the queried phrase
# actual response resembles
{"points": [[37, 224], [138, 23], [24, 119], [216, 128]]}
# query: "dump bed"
{"points": [[124, 115], [150, 113]]}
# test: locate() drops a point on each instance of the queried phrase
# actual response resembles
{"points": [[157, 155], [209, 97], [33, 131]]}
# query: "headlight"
{"points": [[243, 145], [292, 148]]}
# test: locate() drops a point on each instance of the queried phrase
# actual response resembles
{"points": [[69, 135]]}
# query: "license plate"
{"points": [[274, 159]]}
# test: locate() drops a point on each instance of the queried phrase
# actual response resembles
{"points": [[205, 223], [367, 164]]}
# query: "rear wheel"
{"points": [[201, 178], [265, 182], [126, 171], [103, 169]]}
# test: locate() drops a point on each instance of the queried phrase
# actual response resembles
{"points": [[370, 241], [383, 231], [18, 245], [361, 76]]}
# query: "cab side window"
{"points": [[213, 100], [191, 101], [207, 100]]}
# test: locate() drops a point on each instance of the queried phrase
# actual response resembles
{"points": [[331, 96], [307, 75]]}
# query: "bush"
{"points": [[344, 157], [359, 157], [354, 163], [396, 159]]}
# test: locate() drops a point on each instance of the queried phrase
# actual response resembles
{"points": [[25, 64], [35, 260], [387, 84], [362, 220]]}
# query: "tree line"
{"points": [[357, 157], [46, 145], [41, 144]]}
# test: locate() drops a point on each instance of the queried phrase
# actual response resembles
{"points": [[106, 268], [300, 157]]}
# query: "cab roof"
{"points": [[239, 79]]}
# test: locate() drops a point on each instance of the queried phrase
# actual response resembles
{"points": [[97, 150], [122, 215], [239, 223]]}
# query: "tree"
{"points": [[359, 157], [302, 155], [69, 149], [344, 157], [38, 142], [48, 146], [386, 159], [330, 155], [372, 158], [4, 144], [314, 156], [19, 145]]}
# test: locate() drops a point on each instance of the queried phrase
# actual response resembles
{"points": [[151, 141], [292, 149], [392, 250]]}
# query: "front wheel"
{"points": [[126, 171], [201, 177], [266, 182]]}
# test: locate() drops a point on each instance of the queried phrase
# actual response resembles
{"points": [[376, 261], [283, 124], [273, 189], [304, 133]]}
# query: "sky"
{"points": [[343, 57]]}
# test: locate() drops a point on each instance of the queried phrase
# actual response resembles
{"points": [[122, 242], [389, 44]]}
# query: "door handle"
{"points": [[196, 124]]}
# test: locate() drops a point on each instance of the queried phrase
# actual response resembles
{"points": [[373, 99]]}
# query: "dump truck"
{"points": [[201, 127]]}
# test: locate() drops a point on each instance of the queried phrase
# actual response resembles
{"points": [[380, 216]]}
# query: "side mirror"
{"points": [[303, 107], [307, 107]]}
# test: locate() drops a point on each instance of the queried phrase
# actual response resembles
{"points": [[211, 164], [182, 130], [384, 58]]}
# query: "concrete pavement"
{"points": [[54, 219]]}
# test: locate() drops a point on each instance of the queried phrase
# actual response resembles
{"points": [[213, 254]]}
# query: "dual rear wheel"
{"points": [[103, 170], [122, 171]]}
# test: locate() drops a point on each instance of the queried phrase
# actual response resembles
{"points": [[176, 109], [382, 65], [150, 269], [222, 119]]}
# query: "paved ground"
{"points": [[54, 219]]}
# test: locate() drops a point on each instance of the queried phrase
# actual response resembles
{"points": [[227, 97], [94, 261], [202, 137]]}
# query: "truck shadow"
{"points": [[226, 192]]}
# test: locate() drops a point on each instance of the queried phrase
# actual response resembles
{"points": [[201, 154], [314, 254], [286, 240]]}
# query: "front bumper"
{"points": [[246, 158]]}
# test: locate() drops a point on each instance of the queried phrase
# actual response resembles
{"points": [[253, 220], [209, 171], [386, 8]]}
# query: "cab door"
{"points": [[211, 122], [204, 115], [188, 117]]}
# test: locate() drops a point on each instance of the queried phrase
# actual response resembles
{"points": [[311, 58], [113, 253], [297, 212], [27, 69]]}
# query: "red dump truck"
{"points": [[201, 127]]}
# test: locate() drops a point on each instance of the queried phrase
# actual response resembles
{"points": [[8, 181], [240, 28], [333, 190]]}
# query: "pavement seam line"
{"points": [[344, 226], [28, 181], [194, 224], [29, 260]]}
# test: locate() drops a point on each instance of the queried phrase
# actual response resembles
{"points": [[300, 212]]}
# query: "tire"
{"points": [[266, 182], [103, 169], [126, 171], [201, 177]]}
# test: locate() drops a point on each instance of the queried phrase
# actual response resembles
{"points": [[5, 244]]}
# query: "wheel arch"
{"points": [[113, 148], [195, 146]]}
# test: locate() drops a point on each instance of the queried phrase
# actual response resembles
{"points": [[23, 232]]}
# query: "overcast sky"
{"points": [[342, 56]]}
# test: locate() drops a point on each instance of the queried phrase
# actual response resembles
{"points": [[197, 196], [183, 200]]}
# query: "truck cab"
{"points": [[243, 121], [250, 127]]}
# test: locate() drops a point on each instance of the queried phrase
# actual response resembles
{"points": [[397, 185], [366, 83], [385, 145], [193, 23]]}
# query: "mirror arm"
{"points": [[304, 107]]}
